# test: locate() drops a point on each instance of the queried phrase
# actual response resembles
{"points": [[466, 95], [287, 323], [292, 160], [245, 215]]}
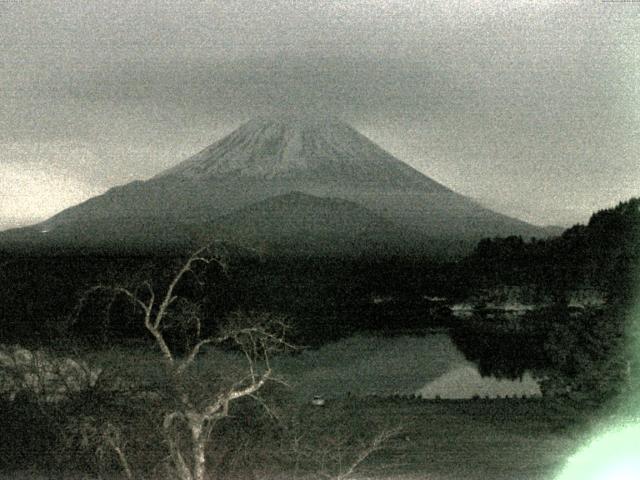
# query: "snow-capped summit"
{"points": [[318, 148], [349, 192]]}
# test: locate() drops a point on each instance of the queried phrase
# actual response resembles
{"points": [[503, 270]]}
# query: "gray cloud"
{"points": [[531, 108]]}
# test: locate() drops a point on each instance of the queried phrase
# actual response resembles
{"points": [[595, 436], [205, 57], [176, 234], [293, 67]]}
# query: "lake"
{"points": [[431, 366]]}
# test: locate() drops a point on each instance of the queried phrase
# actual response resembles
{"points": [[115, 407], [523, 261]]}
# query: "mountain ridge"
{"points": [[325, 225], [267, 158]]}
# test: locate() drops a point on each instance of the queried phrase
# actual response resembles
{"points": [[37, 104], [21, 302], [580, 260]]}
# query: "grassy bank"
{"points": [[439, 439], [511, 439]]}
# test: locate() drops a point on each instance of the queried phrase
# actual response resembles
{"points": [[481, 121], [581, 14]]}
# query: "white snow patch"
{"points": [[434, 299], [513, 307], [462, 310]]}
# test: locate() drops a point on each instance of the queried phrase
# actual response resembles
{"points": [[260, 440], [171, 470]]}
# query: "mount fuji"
{"points": [[311, 184]]}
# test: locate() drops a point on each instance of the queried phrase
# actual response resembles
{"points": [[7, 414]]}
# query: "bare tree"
{"points": [[257, 337], [339, 455]]}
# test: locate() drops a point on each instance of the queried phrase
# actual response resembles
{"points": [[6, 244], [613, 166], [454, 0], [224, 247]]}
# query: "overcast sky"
{"points": [[531, 107]]}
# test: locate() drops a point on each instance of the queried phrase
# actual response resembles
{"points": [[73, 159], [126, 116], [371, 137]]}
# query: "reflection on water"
{"points": [[466, 382], [364, 365], [502, 354], [430, 365]]}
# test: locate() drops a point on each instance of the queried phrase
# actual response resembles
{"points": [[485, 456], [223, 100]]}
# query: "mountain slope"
{"points": [[271, 157], [318, 150], [297, 222]]}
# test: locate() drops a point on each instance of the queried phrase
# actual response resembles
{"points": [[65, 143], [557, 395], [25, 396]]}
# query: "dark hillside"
{"points": [[604, 254]]}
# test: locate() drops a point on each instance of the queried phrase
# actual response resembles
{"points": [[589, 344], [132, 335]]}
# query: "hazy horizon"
{"points": [[19, 222]]}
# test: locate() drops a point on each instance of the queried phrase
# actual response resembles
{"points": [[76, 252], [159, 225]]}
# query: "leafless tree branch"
{"points": [[258, 336]]}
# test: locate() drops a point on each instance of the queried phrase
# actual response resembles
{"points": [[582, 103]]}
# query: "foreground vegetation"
{"points": [[136, 421], [470, 439], [198, 398]]}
